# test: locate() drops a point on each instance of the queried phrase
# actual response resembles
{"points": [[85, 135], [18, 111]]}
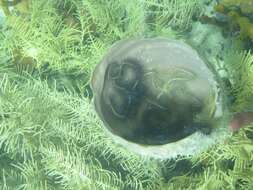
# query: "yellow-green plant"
{"points": [[240, 72], [51, 137]]}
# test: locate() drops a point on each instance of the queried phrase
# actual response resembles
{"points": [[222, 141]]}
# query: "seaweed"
{"points": [[239, 13], [50, 134]]}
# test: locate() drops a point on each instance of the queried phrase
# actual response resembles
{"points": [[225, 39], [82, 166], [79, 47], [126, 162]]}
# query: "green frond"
{"points": [[240, 72], [69, 168], [71, 126], [125, 18], [174, 14], [11, 180], [42, 35], [33, 176], [50, 135]]}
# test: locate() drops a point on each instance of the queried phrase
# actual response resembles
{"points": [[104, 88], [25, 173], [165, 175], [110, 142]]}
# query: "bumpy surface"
{"points": [[154, 91]]}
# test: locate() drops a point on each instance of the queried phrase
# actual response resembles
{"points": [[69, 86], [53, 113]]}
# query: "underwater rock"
{"points": [[155, 91], [15, 7], [209, 40]]}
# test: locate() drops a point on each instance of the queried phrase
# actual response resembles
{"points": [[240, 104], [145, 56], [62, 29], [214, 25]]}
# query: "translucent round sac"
{"points": [[156, 92]]}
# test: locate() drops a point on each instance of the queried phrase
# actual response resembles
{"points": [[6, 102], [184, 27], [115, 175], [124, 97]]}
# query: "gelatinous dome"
{"points": [[155, 91]]}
